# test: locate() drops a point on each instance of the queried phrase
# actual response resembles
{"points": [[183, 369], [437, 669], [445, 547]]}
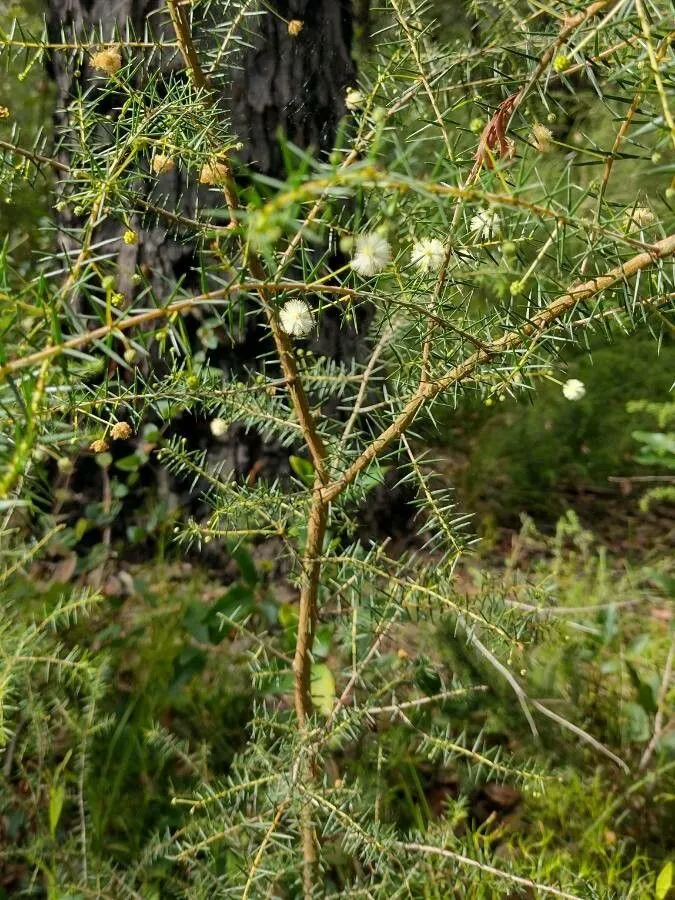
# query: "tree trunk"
{"points": [[292, 88], [293, 85], [162, 259]]}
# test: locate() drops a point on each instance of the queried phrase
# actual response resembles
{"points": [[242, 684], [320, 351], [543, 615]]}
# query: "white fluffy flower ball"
{"points": [[428, 255], [486, 224], [573, 389], [296, 318], [353, 99], [218, 427], [372, 253]]}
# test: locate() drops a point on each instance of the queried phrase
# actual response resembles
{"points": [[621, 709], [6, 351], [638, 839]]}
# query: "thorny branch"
{"points": [[509, 341]]}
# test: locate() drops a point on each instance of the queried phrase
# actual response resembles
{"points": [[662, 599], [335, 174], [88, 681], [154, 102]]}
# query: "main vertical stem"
{"points": [[311, 564], [302, 662], [335, 16]]}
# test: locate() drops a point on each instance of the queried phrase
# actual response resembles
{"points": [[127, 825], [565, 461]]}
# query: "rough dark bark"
{"points": [[161, 258], [292, 88], [293, 84]]}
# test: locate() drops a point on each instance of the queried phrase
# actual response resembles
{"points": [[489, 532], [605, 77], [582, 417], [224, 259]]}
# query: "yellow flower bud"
{"points": [[108, 60], [121, 431], [161, 164], [216, 171]]}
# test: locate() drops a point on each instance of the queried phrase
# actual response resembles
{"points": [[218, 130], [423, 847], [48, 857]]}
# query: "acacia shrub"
{"points": [[477, 267]]}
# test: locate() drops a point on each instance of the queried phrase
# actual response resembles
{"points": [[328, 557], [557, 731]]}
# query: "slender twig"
{"points": [[34, 157], [571, 25], [641, 479], [294, 384], [425, 701], [403, 22], [349, 687], [163, 312], [181, 26], [274, 824], [656, 74], [207, 842], [430, 850], [584, 735], [613, 155], [660, 709], [387, 332], [591, 609], [85, 45], [504, 671], [316, 530], [231, 791], [480, 759]]}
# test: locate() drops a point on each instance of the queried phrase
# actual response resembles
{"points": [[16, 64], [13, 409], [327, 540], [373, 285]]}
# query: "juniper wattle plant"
{"points": [[465, 245]]}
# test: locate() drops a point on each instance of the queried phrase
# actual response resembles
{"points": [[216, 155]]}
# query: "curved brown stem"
{"points": [[509, 341]]}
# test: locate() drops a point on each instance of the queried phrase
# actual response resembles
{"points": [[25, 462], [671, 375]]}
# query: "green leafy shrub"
{"points": [[657, 451]]}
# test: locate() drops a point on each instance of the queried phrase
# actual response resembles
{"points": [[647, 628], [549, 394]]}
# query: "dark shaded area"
{"points": [[161, 258]]}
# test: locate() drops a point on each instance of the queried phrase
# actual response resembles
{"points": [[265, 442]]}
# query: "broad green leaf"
{"points": [[664, 882], [244, 561], [645, 692], [188, 663], [637, 723], [129, 463], [288, 615], [235, 604], [57, 796], [373, 476], [288, 619], [302, 468], [322, 642], [323, 689]]}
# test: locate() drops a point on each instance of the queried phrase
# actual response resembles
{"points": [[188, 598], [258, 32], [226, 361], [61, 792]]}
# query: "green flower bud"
{"points": [[561, 62], [65, 465]]}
